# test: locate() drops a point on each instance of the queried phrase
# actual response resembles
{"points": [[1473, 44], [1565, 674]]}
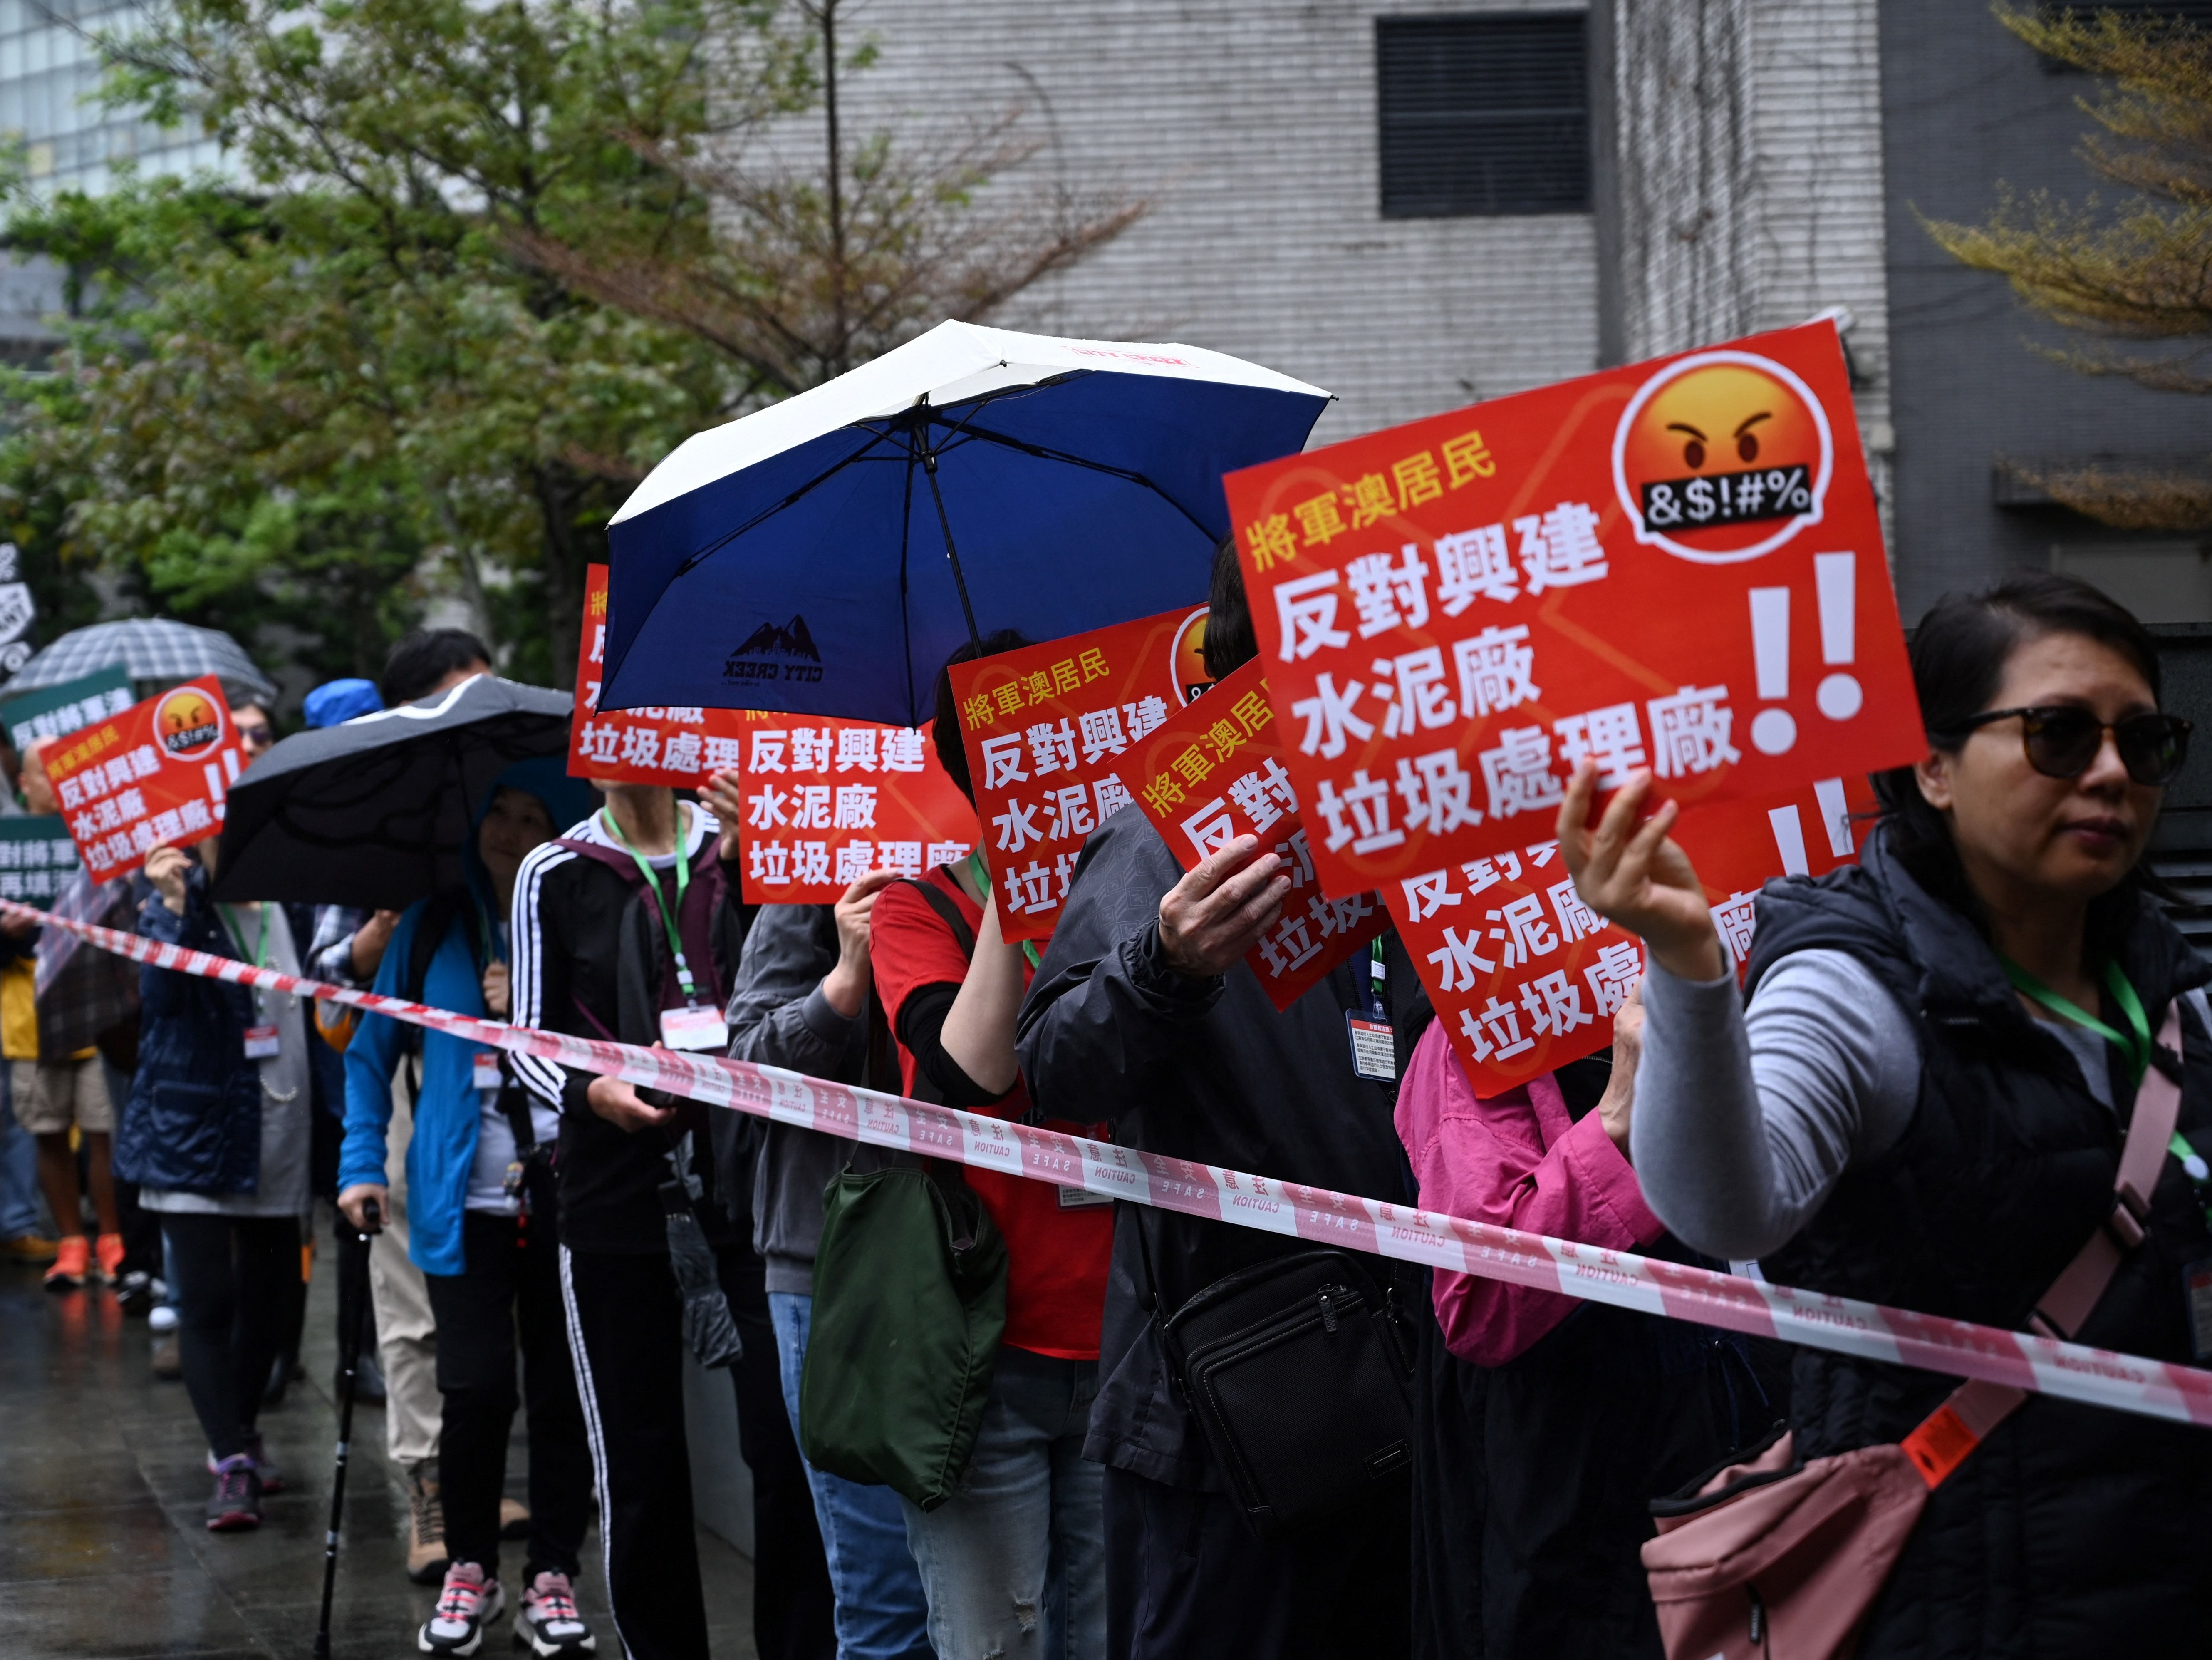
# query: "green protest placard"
{"points": [[37, 858], [56, 711]]}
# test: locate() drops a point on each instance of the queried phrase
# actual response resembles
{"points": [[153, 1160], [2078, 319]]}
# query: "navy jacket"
{"points": [[193, 1120]]}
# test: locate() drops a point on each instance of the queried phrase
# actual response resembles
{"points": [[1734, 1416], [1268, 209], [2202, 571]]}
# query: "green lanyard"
{"points": [[2136, 1046], [1377, 973], [667, 916], [237, 934], [981, 872]]}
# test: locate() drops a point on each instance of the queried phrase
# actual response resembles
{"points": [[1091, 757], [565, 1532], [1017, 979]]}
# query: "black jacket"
{"points": [[1199, 1069], [2072, 1530], [592, 959]]}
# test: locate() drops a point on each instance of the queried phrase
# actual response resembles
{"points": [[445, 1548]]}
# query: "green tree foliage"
{"points": [[2135, 278]]}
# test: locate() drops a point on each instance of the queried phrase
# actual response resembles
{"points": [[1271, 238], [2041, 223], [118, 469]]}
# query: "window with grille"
{"points": [[1484, 114]]}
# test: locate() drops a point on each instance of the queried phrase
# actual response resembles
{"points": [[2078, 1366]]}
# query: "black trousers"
{"points": [[1187, 1580], [236, 1277], [511, 1285], [625, 1330]]}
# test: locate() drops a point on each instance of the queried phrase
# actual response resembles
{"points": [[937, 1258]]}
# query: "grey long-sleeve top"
{"points": [[1744, 1119]]}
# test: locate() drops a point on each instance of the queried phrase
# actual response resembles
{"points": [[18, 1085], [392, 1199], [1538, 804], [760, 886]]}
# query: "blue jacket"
{"points": [[193, 1119], [443, 1145]]}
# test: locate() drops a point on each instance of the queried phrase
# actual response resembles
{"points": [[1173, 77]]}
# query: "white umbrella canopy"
{"points": [[824, 555]]}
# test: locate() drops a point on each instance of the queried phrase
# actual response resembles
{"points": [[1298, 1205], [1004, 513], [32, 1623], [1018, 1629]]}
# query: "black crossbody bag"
{"points": [[1299, 1372]]}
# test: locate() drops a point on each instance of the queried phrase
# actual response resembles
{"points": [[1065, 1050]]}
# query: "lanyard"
{"points": [[2135, 1047], [981, 872], [667, 916], [1377, 974], [237, 934]]}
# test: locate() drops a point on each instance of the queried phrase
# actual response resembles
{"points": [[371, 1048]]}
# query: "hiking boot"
{"points": [[72, 1264], [272, 1481], [427, 1562], [368, 1380], [237, 1501], [547, 1622], [28, 1247], [169, 1358], [513, 1520], [469, 1603], [108, 1248]]}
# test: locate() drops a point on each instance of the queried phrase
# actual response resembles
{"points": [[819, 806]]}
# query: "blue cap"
{"points": [[341, 700]]}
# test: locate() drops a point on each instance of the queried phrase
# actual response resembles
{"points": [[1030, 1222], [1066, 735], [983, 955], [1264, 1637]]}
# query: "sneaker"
{"points": [[513, 1519], [72, 1264], [28, 1247], [547, 1622], [169, 1358], [272, 1480], [134, 1294], [164, 1314], [108, 1248], [427, 1562], [368, 1380], [237, 1500], [469, 1603]]}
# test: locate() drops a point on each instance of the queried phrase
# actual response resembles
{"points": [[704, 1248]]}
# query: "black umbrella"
{"points": [[374, 812]]}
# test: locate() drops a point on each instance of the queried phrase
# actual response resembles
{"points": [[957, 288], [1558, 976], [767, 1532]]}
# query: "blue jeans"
{"points": [[18, 1169], [1015, 1562], [881, 1612]]}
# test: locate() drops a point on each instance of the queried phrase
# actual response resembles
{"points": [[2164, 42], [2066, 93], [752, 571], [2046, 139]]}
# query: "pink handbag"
{"points": [[1775, 1559]]}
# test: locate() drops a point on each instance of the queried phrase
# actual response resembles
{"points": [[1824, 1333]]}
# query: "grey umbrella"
{"points": [[155, 649], [375, 811]]}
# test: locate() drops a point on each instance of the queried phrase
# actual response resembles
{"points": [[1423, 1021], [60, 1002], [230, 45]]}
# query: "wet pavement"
{"points": [[104, 1554]]}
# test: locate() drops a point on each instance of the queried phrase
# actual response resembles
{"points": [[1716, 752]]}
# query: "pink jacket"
{"points": [[1518, 1161]]}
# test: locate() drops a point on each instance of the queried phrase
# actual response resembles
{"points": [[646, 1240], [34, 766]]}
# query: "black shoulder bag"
{"points": [[1298, 1372]]}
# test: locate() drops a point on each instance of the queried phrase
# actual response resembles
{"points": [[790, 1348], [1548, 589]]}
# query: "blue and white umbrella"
{"points": [[825, 556]]}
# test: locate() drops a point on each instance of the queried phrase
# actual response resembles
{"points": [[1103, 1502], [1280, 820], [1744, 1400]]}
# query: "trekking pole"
{"points": [[353, 1287]]}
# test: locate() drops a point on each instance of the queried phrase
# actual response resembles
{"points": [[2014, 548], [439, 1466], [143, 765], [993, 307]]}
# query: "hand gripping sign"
{"points": [[681, 748], [1525, 977], [158, 772], [1675, 565], [828, 801], [1049, 730], [1214, 772]]}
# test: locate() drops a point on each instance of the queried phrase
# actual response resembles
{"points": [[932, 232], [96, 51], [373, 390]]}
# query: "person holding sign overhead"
{"points": [[1925, 1105]]}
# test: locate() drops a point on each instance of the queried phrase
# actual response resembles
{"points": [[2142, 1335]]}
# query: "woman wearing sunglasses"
{"points": [[1922, 1105]]}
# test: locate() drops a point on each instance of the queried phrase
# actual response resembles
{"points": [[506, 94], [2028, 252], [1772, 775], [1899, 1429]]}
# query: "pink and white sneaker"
{"points": [[469, 1601], [547, 1623]]}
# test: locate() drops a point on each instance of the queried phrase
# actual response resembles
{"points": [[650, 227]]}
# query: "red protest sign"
{"points": [[1676, 564], [679, 747], [1214, 772], [1048, 731], [158, 772], [1526, 978], [828, 801]]}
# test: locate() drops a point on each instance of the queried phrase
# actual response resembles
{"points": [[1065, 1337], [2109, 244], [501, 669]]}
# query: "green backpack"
{"points": [[909, 1305]]}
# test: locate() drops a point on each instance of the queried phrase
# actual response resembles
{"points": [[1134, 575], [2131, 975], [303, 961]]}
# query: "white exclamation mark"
{"points": [[1772, 730], [230, 765], [1835, 816], [1836, 577], [213, 774], [1789, 841]]}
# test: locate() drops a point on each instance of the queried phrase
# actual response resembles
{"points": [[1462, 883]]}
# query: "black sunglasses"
{"points": [[2062, 741]]}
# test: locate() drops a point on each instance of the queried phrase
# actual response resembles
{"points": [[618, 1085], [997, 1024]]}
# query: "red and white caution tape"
{"points": [[2124, 1381]]}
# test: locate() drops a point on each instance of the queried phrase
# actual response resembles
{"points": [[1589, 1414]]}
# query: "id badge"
{"points": [[2197, 1280], [262, 1043], [694, 1029], [1082, 1198], [1374, 1048], [485, 1069]]}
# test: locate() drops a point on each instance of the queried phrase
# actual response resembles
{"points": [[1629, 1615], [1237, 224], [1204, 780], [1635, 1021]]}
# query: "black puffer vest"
{"points": [[2073, 1530]]}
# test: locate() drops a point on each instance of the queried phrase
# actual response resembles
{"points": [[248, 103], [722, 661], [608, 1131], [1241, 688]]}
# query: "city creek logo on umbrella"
{"points": [[188, 722], [1722, 456], [775, 651]]}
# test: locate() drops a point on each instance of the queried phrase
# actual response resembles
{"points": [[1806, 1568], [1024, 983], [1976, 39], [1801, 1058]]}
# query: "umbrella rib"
{"points": [[692, 561], [1132, 477], [906, 614]]}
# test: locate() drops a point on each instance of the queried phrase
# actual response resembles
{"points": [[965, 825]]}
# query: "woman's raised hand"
{"points": [[1638, 876]]}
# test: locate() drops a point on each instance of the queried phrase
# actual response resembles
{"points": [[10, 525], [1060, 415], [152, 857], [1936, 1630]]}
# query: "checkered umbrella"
{"points": [[158, 651]]}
